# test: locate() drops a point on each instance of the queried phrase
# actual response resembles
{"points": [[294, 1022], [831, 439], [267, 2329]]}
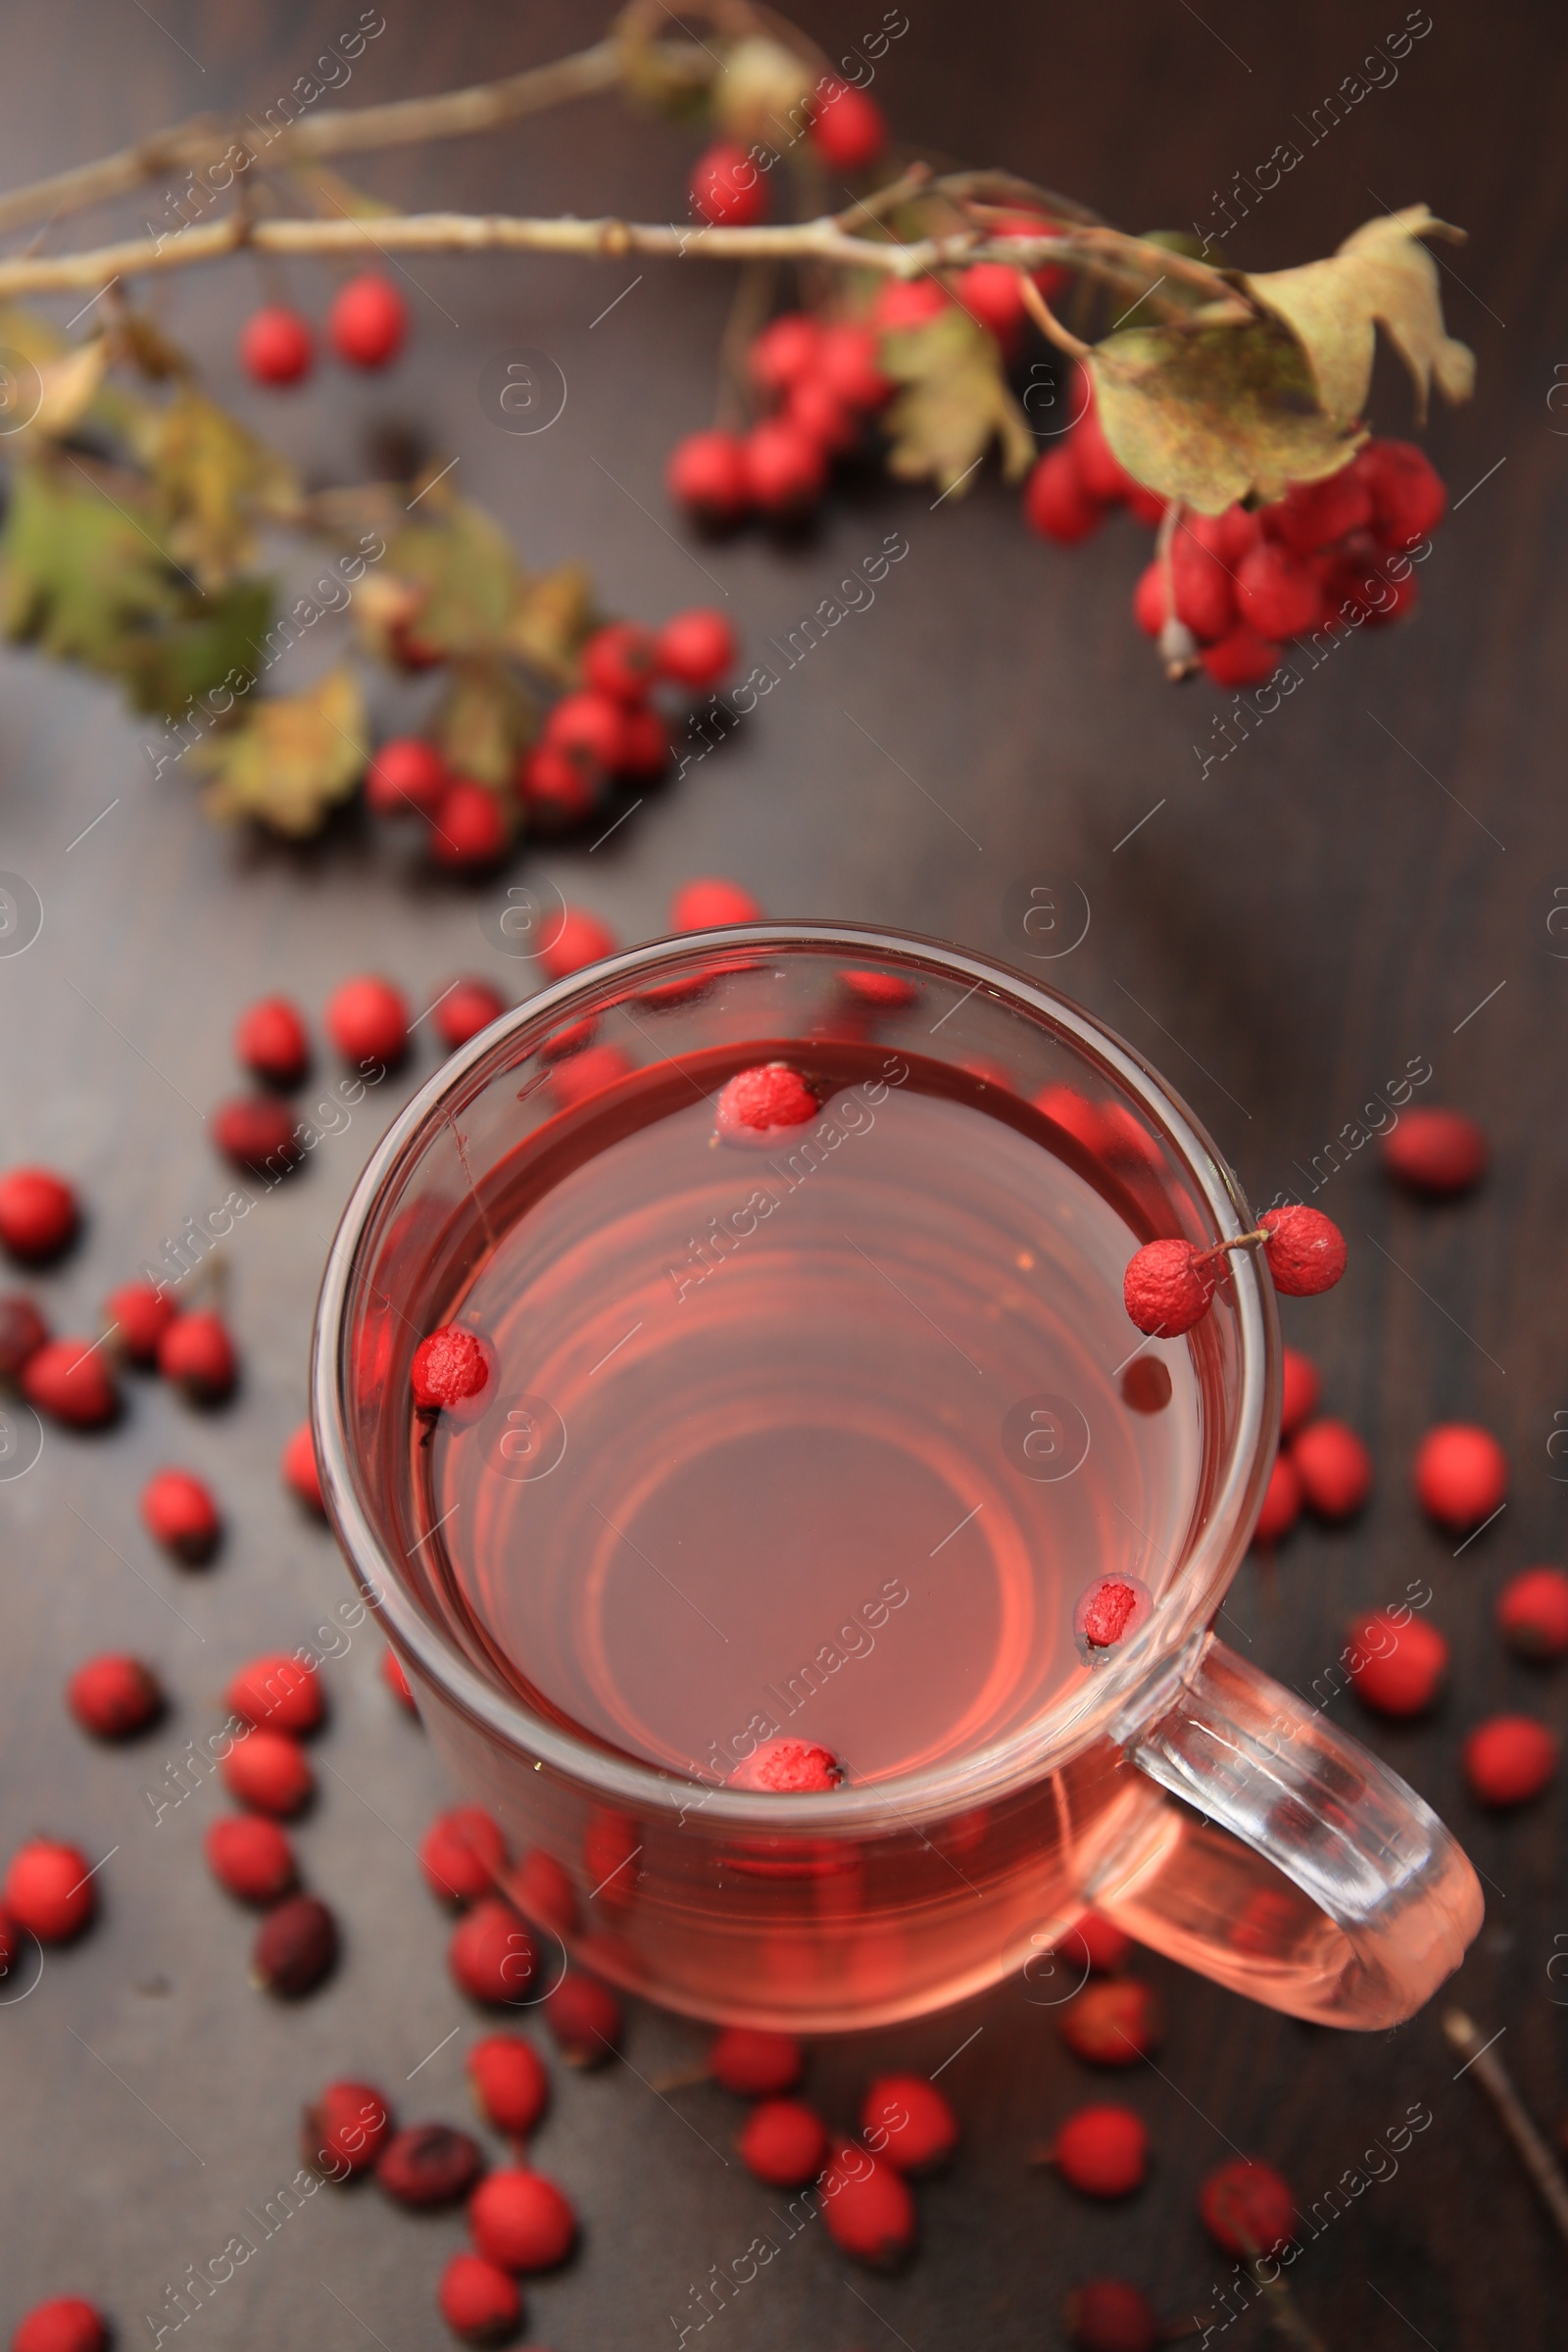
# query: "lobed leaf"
{"points": [[954, 403], [290, 758]]}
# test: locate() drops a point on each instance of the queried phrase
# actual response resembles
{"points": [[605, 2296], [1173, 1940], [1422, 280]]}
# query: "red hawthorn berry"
{"points": [[1305, 1249], [1115, 2022], [463, 1010], [49, 1890], [783, 2142], [300, 1472], [179, 1512], [786, 472], [709, 903], [1396, 1669], [1166, 1288], [1103, 2151], [1202, 586], [645, 746], [451, 1372], [1276, 593], [522, 2221], [906, 2120], [1302, 1386], [1093, 1942], [367, 320], [346, 2129], [268, 1770], [695, 649], [1282, 1502], [468, 830], [23, 1331], [542, 1889], [621, 660], [1460, 1474], [1229, 536], [279, 1692], [788, 348], [1109, 2316], [1333, 1467], [755, 1103], [1246, 2208], [198, 1356], [367, 1020], [296, 1947], [1075, 1114], [462, 1853], [406, 778], [817, 411], [708, 475], [1112, 1609], [397, 1682], [478, 2301], [137, 1315], [580, 939], [1434, 1151], [68, 1379], [39, 1214], [251, 1857], [1311, 516], [847, 366], [586, 1074], [275, 346], [510, 2084], [868, 2208], [883, 991], [1408, 498], [65, 2324], [585, 2017], [789, 1768], [726, 187], [756, 2063], [272, 1040], [558, 789], [1533, 1613], [849, 129], [1055, 503], [611, 1843], [113, 1698], [1242, 659], [257, 1134], [427, 2165], [993, 295], [1100, 472], [1506, 1760], [491, 1954], [904, 303]]}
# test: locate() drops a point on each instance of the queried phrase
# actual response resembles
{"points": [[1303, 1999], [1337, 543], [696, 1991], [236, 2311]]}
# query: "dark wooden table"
{"points": [[1368, 878]]}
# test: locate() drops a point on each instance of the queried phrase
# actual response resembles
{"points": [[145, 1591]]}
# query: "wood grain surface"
{"points": [[1368, 877]]}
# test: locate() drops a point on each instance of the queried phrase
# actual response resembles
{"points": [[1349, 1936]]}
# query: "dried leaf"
{"points": [[1207, 414], [78, 569], [211, 642], [484, 723], [550, 620], [69, 387], [216, 482], [1380, 275], [954, 400], [290, 758], [466, 573]]}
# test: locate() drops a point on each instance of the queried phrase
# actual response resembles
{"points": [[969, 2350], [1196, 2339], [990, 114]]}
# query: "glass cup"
{"points": [[1183, 1794]]}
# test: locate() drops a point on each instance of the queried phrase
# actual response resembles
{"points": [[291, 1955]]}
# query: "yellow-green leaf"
{"points": [[290, 758], [216, 481], [484, 723], [1382, 275], [466, 575], [78, 570], [953, 401], [550, 620]]}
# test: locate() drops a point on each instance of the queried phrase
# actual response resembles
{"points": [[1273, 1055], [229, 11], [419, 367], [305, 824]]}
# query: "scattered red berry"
{"points": [[346, 2129], [300, 1472], [1333, 1467], [1168, 1288], [406, 778], [23, 1331], [579, 939], [522, 2221], [1109, 2316], [1462, 1475], [585, 2019], [397, 1682], [786, 472], [1436, 1152], [542, 1889], [453, 1371], [1506, 1760], [268, 1772], [510, 2084], [136, 1316], [621, 660], [461, 1854], [491, 1954], [783, 2142], [756, 1104], [469, 829], [179, 1512], [49, 1890], [275, 346], [726, 187], [429, 2165], [708, 475], [68, 1379], [367, 1020], [296, 1947], [868, 2208], [1282, 1502], [1103, 2151], [589, 727], [1306, 1250], [756, 2063], [1533, 1613], [257, 1133], [1109, 1611], [696, 649], [1302, 1389], [1246, 2208], [849, 129], [1093, 1942], [1115, 2022], [884, 992], [113, 1698], [65, 2325], [646, 749], [367, 321], [707, 904], [278, 1690], [909, 2122], [250, 1857], [39, 1214], [270, 1040], [789, 1768], [198, 1356], [557, 789], [587, 1075], [478, 2301], [1396, 1669]]}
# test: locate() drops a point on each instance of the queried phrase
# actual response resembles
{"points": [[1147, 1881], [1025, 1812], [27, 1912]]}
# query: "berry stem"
{"points": [[1482, 2060], [1178, 647], [1239, 1240], [1050, 326]]}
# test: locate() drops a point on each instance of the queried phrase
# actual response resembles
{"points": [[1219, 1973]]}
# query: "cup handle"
{"points": [[1312, 1880]]}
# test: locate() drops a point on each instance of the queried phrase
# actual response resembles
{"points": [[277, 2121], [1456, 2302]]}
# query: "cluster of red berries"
{"points": [[365, 326], [1328, 555], [1169, 1285], [610, 730], [279, 1703], [845, 128]]}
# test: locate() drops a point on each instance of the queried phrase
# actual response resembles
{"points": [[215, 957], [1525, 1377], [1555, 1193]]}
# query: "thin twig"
{"points": [[1045, 317], [1483, 2062]]}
